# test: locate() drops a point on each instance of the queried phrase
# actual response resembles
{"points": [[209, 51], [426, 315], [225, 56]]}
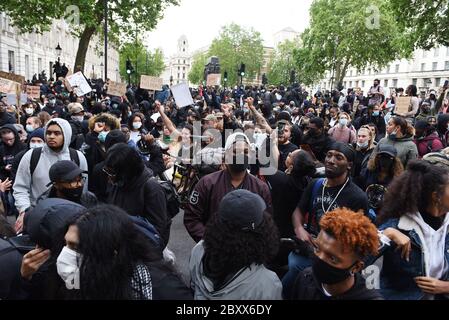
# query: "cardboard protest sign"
{"points": [[402, 104], [116, 89], [182, 95], [7, 86], [33, 92], [79, 84], [13, 77], [213, 79], [151, 83]]}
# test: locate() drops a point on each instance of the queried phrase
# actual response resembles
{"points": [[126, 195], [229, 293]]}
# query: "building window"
{"points": [[178, 76], [183, 75], [426, 82], [357, 84], [424, 54], [397, 68], [183, 68], [350, 84], [446, 65], [344, 84], [350, 73], [179, 61], [436, 53], [179, 68], [415, 81], [423, 66], [39, 65], [369, 71], [395, 83], [363, 84], [27, 66], [184, 43], [11, 61], [386, 83], [184, 62], [434, 66], [183, 49], [437, 82]]}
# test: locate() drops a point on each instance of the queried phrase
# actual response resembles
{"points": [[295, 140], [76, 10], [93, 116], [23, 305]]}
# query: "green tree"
{"points": [[196, 74], [425, 23], [282, 63], [236, 45], [86, 18], [144, 62], [349, 33]]}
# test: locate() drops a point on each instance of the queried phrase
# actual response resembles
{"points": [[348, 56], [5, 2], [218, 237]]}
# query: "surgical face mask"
{"points": [[102, 136], [36, 145], [29, 111], [130, 114], [376, 113], [328, 274], [78, 118], [363, 145], [137, 125], [29, 128], [114, 106], [394, 134], [68, 267], [343, 122], [52, 101]]}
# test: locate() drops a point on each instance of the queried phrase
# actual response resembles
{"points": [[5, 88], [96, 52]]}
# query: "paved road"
{"points": [[181, 244]]}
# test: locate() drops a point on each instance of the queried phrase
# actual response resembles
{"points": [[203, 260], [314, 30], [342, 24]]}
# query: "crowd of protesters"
{"points": [[296, 194]]}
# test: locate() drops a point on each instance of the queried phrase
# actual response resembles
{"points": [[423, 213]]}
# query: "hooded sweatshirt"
{"points": [[7, 153], [253, 283], [27, 189], [405, 147]]}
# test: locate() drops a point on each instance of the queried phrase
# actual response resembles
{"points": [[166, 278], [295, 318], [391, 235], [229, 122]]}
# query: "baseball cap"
{"points": [[233, 138], [243, 209], [210, 117], [64, 171], [387, 149], [75, 108]]}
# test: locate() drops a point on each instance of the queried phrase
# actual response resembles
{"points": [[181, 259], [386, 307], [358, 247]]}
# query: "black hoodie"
{"points": [[7, 153]]}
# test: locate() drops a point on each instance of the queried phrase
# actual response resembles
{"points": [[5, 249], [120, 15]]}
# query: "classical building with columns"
{"points": [[427, 69], [30, 53], [178, 65]]}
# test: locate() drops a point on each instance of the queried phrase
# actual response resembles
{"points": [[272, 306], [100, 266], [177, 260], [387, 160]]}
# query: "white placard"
{"points": [[79, 84], [182, 95], [11, 98], [155, 116]]}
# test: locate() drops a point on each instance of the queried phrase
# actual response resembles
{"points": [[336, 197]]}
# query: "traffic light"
{"points": [[225, 76], [242, 70], [129, 67]]}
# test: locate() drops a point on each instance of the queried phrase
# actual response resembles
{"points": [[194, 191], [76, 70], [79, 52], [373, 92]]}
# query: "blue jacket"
{"points": [[397, 275]]}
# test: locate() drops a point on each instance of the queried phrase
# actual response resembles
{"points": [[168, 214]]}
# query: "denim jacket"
{"points": [[397, 275]]}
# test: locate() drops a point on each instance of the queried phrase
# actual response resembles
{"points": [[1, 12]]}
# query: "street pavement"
{"points": [[181, 244]]}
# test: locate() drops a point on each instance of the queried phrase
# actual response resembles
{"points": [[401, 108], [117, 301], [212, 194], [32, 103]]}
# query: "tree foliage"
{"points": [[86, 18], [196, 73], [425, 23], [144, 62], [236, 45], [282, 63], [349, 33]]}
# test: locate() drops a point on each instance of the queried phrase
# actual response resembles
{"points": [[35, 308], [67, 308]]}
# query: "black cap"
{"points": [[344, 148], [387, 149], [243, 209], [114, 137], [64, 171]]}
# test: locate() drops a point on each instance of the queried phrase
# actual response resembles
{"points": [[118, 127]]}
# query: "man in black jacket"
{"points": [[316, 139], [133, 190], [10, 147], [5, 117]]}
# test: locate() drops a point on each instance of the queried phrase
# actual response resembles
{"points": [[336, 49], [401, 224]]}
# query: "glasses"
{"points": [[77, 182], [109, 173]]}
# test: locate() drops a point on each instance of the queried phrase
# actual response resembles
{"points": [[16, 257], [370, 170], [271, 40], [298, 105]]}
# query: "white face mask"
{"points": [[36, 145], [29, 128], [137, 125], [362, 145], [78, 118], [343, 122], [29, 111], [68, 266]]}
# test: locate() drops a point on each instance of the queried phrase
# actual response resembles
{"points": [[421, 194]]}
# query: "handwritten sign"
{"points": [[13, 77], [151, 83], [116, 89], [7, 86], [79, 84], [213, 79], [402, 104], [33, 92], [182, 95]]}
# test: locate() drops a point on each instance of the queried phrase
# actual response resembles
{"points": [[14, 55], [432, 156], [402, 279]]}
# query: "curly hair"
{"points": [[229, 248], [111, 246], [111, 121], [352, 230], [395, 170], [412, 191]]}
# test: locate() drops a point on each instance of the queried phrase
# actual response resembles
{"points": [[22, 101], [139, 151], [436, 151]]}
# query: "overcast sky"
{"points": [[201, 20]]}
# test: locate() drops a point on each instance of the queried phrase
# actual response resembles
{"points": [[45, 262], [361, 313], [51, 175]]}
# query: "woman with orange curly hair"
{"points": [[346, 239]]}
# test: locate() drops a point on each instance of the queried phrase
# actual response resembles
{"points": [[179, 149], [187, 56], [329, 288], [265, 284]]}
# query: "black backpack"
{"points": [[36, 155], [172, 198]]}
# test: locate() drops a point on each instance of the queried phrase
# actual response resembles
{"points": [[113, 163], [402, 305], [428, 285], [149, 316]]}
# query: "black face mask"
{"points": [[72, 194], [239, 167], [327, 274]]}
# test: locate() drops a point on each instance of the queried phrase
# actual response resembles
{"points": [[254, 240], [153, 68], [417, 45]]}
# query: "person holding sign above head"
{"points": [[413, 105]]}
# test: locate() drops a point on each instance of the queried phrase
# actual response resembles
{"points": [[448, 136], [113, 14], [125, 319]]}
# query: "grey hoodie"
{"points": [[26, 188], [253, 283], [405, 147]]}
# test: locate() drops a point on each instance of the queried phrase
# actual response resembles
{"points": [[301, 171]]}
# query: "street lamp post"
{"points": [[102, 65], [58, 51], [105, 4]]}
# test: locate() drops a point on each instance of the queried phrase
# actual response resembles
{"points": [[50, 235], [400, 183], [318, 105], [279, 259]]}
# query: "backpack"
{"points": [[148, 230], [36, 155], [172, 198]]}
